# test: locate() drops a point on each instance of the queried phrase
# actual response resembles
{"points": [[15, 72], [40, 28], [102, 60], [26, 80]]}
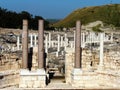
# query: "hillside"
{"points": [[109, 14]]}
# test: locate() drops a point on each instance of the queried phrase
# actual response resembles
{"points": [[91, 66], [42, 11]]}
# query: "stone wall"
{"points": [[90, 59], [90, 76], [9, 70], [9, 78], [10, 62], [69, 59], [112, 60]]}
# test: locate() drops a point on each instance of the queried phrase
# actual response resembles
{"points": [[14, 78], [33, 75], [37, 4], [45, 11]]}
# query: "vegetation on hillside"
{"points": [[109, 14], [10, 19]]}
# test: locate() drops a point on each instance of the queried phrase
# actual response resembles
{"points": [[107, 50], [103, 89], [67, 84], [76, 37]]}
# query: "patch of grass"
{"points": [[109, 14]]}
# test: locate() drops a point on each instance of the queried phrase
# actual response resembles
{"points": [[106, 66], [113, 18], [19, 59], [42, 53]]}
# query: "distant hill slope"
{"points": [[109, 14]]}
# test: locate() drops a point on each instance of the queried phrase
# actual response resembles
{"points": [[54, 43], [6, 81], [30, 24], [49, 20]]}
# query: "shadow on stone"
{"points": [[30, 54]]}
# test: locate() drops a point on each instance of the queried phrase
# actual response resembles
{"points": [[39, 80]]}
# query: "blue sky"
{"points": [[51, 8]]}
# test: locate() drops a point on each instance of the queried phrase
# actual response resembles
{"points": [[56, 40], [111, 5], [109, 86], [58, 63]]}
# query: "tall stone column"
{"points": [[74, 39], [76, 74], [18, 42], [25, 44], [111, 37], [83, 41], [61, 41], [31, 40], [35, 42], [41, 44], [78, 45], [49, 39], [101, 63], [65, 41], [58, 45], [46, 44]]}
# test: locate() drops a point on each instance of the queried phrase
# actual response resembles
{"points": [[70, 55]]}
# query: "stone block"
{"points": [[34, 78], [29, 84], [36, 84], [22, 85]]}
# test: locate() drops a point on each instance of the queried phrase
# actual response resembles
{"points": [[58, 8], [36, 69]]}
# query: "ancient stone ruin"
{"points": [[86, 59]]}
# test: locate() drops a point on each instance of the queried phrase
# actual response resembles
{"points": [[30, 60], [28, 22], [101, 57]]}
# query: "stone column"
{"points": [[61, 41], [83, 41], [65, 41], [35, 42], [77, 71], [25, 44], [46, 44], [111, 37], [58, 45], [49, 39], [18, 42], [31, 40], [78, 46], [41, 44], [74, 39], [101, 63]]}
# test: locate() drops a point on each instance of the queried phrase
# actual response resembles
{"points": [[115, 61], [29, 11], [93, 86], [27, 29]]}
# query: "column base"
{"points": [[32, 79], [100, 68], [76, 77], [84, 79]]}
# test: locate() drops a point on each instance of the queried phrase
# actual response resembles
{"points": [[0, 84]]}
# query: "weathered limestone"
{"points": [[9, 78], [69, 64], [32, 79], [25, 44], [35, 59]]}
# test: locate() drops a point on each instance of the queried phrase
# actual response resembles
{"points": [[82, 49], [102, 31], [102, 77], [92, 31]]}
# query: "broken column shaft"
{"points": [[41, 44], [78, 45], [25, 44]]}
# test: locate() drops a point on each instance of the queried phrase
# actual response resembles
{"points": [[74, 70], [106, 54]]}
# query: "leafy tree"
{"points": [[10, 19]]}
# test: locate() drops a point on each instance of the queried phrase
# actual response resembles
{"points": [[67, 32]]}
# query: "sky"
{"points": [[51, 9]]}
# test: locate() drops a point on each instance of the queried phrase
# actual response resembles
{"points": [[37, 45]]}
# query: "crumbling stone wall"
{"points": [[112, 60], [9, 70], [9, 78]]}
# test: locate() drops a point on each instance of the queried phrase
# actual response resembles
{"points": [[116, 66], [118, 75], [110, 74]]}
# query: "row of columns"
{"points": [[91, 38], [41, 45], [25, 44]]}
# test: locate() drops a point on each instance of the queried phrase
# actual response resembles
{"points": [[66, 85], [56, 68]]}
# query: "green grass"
{"points": [[109, 14]]}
